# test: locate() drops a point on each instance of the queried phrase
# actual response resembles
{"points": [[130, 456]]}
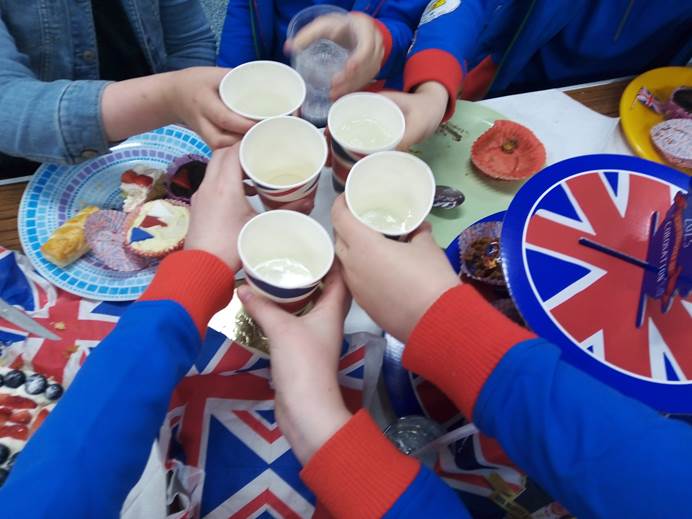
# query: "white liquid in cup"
{"points": [[390, 191], [290, 174], [284, 272], [263, 103], [365, 123], [366, 132]]}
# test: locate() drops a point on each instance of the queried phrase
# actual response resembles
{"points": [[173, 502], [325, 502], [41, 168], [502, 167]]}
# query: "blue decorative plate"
{"points": [[589, 301], [58, 192]]}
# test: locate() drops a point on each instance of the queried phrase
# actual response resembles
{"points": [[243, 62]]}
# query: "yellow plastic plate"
{"points": [[637, 120]]}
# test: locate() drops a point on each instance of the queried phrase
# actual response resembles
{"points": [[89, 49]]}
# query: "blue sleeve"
{"points": [[596, 451], [454, 26], [428, 496], [93, 447], [187, 34], [401, 18], [46, 121], [237, 45]]}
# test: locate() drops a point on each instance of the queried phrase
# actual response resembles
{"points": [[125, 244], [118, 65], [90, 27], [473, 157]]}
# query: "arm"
{"points": [[187, 35], [589, 446], [94, 445], [444, 40], [92, 448], [237, 45]]}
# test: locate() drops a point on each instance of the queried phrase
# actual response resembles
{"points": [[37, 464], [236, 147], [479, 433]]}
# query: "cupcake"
{"points": [[184, 176], [141, 184], [479, 251], [673, 139], [508, 151], [104, 234], [157, 228]]}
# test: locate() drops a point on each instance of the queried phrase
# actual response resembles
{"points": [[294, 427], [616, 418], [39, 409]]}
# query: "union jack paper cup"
{"points": [[391, 192], [283, 157], [258, 90], [285, 256], [361, 124]]}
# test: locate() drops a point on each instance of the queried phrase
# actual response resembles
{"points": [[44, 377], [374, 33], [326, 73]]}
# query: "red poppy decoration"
{"points": [[508, 151]]}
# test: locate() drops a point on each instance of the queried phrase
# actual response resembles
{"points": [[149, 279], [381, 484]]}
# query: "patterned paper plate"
{"points": [[58, 192]]}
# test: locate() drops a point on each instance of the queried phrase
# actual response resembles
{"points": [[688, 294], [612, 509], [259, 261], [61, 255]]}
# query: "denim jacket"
{"points": [[50, 92]]}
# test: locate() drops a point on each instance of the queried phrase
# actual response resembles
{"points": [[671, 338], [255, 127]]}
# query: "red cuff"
{"points": [[198, 280], [435, 65], [386, 40], [458, 343], [358, 472]]}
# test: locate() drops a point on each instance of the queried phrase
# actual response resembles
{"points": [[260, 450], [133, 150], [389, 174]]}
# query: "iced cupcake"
{"points": [[157, 228], [184, 176], [141, 184]]}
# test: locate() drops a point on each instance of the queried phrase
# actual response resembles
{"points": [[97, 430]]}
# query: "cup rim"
{"points": [[327, 8], [228, 77], [276, 213], [364, 150], [376, 156], [322, 162]]}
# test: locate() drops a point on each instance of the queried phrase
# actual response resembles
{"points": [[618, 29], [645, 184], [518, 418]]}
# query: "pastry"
{"points": [[508, 151], [184, 176], [141, 184], [105, 234], [480, 254], [673, 138], [157, 228], [68, 242]]}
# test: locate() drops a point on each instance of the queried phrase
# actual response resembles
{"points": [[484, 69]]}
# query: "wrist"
{"points": [[435, 93]]}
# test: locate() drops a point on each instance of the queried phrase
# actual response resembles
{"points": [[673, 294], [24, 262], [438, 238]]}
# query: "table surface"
{"points": [[602, 98]]}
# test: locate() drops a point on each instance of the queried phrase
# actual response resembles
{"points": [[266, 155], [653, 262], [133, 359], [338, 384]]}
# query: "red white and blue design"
{"points": [[221, 417], [222, 420], [577, 243]]}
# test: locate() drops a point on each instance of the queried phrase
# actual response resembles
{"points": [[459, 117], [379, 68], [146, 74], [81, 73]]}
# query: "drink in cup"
{"points": [[391, 192], [283, 157], [258, 90], [317, 64], [285, 255], [361, 124]]}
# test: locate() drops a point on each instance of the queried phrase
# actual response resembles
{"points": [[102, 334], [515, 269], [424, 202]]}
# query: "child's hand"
{"points": [[304, 359], [356, 31], [192, 95], [423, 111], [219, 209], [394, 282]]}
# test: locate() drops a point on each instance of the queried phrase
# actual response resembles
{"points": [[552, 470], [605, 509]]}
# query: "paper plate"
{"points": [[637, 120], [58, 192], [448, 152], [589, 302]]}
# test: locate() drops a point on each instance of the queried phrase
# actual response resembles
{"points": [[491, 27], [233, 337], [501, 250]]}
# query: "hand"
{"points": [[394, 282], [220, 209], [304, 359], [423, 111], [356, 31], [193, 95]]}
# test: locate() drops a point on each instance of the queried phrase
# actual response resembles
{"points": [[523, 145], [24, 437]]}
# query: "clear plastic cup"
{"points": [[317, 64]]}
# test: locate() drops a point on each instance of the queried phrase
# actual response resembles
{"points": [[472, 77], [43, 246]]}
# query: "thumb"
{"points": [[268, 315]]}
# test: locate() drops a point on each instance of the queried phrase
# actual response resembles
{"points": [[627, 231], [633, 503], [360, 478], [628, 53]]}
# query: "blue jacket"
{"points": [[256, 29], [533, 44], [50, 92], [597, 452]]}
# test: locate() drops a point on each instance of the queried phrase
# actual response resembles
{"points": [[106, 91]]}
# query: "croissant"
{"points": [[68, 242]]}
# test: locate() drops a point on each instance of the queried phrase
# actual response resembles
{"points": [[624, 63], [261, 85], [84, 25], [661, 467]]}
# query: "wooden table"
{"points": [[602, 98]]}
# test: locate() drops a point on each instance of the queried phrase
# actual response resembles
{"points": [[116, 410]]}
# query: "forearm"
{"points": [[573, 435], [187, 34], [99, 436], [137, 105]]}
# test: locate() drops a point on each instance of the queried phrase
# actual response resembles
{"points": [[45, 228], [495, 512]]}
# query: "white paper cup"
{"points": [[391, 192], [361, 124], [285, 256], [258, 90], [283, 156]]}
